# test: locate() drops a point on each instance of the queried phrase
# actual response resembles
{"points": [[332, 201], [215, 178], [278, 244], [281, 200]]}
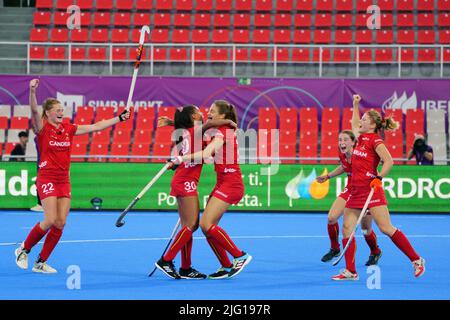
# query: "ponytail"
{"points": [[381, 123], [227, 109]]}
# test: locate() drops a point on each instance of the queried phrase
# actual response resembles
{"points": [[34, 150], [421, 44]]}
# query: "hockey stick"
{"points": [[144, 30], [119, 222], [167, 246], [352, 235]]}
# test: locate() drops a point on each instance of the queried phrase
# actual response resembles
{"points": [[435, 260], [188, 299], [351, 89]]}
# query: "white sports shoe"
{"points": [[21, 257], [43, 267], [345, 275], [37, 208]]}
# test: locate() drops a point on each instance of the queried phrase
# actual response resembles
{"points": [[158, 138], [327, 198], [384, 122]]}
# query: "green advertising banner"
{"points": [[267, 188]]}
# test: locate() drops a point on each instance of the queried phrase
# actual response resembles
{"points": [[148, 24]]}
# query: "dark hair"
{"points": [[48, 105], [227, 109], [387, 123], [183, 117], [351, 135], [23, 134]]}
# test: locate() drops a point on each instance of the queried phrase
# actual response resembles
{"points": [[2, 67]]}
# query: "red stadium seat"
{"points": [[219, 54], [308, 120], [308, 149], [85, 4], [224, 5], [425, 5], [426, 37], [144, 5], [204, 5], [121, 136], [78, 53], [84, 115], [282, 55], [125, 5], [282, 36], [102, 19], [328, 150], [361, 20], [304, 5], [386, 20], [221, 36], [42, 18], [288, 151], [104, 4], [142, 150], [119, 54], [323, 20], [342, 55], [427, 55], [164, 5], [44, 4], [241, 36], [325, 55], [122, 19], [363, 36], [141, 19], [300, 55], [444, 5], [56, 53], [283, 20], [119, 149], [444, 20], [158, 35], [386, 5], [146, 112], [99, 35], [242, 54], [384, 37], [405, 20], [344, 5], [222, 20], [103, 113], [263, 20], [161, 152], [80, 35], [180, 35], [322, 36], [259, 54], [39, 35], [444, 36], [267, 118], [362, 5], [324, 5], [405, 5], [302, 20], [200, 36], [85, 19], [124, 125], [37, 53], [63, 4], [384, 55], [145, 124], [162, 19], [425, 20], [142, 136], [163, 136], [405, 37], [302, 36], [288, 119], [184, 5], [133, 54], [202, 20], [407, 55], [98, 150], [243, 5], [344, 20], [178, 54], [59, 35], [182, 20], [159, 54], [119, 35], [101, 137], [241, 20], [365, 55], [347, 119], [261, 36], [263, 5], [79, 149], [166, 111], [19, 123], [98, 54], [343, 36], [284, 6]]}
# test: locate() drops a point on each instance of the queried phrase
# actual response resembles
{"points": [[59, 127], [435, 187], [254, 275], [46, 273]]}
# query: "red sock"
{"points": [[186, 255], [224, 240], [35, 235], [50, 243], [333, 233], [180, 240], [350, 255], [371, 240], [220, 252], [404, 245]]}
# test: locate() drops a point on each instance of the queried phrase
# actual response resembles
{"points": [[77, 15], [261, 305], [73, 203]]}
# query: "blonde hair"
{"points": [[48, 105], [381, 123]]}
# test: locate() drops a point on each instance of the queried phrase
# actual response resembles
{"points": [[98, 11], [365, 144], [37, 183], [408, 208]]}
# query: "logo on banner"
{"points": [[306, 187], [70, 100], [403, 102]]}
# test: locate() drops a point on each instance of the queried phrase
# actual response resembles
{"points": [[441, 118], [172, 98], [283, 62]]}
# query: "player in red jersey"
{"points": [[347, 141], [229, 189], [188, 121], [54, 144], [367, 154]]}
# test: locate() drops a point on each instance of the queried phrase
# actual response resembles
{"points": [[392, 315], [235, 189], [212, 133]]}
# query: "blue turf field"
{"points": [[287, 248]]}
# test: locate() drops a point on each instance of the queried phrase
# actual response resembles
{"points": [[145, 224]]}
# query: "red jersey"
{"points": [[190, 144], [227, 157], [347, 166], [54, 145], [365, 160]]}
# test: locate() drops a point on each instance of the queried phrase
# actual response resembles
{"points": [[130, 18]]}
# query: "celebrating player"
{"points": [[54, 144], [229, 189], [347, 141], [184, 188], [367, 154]]}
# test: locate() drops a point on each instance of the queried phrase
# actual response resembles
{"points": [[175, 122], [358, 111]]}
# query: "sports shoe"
{"points": [[330, 255], [221, 273], [419, 267], [37, 208], [21, 257], [191, 273], [239, 264], [373, 259], [167, 268], [345, 275], [42, 267]]}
